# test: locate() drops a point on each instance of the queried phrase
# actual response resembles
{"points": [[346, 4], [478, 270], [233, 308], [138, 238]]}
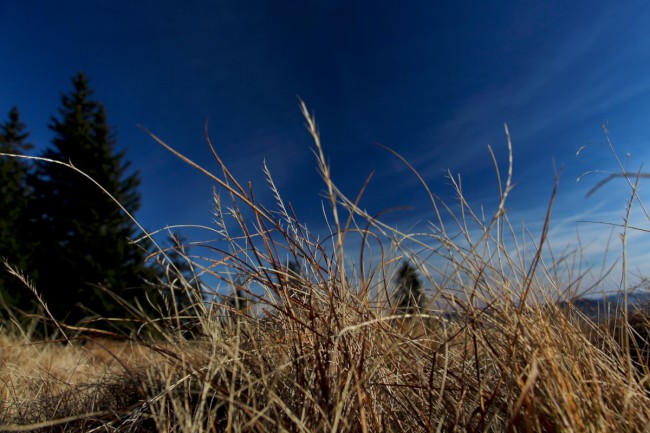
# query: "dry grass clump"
{"points": [[319, 347], [632, 333], [66, 387]]}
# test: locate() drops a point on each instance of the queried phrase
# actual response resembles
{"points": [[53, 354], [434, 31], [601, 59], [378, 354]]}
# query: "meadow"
{"points": [[325, 349]]}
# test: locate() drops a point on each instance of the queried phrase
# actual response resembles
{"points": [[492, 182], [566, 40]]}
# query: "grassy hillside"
{"points": [[324, 349]]}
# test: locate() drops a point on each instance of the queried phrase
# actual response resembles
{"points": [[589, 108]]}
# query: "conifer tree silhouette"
{"points": [[14, 196], [408, 294], [82, 237]]}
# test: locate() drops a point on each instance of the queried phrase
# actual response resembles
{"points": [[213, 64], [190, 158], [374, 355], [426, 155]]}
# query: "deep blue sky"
{"points": [[434, 81]]}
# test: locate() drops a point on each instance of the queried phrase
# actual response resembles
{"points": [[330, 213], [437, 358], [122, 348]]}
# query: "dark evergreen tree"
{"points": [[13, 206], [408, 294], [293, 281], [82, 237]]}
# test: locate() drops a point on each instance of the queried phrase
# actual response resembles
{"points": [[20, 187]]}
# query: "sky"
{"points": [[435, 82]]}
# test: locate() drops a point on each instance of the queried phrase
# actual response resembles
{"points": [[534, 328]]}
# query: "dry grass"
{"points": [[324, 351]]}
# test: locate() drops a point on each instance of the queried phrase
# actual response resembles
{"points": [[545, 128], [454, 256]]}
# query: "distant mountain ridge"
{"points": [[601, 308]]}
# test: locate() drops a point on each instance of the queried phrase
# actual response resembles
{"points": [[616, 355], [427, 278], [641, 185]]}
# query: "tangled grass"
{"points": [[323, 349]]}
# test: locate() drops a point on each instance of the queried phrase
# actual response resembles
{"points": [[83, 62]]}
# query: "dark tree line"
{"points": [[71, 239], [14, 202], [73, 242]]}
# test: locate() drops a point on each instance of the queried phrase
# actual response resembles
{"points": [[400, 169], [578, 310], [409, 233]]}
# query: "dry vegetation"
{"points": [[324, 351]]}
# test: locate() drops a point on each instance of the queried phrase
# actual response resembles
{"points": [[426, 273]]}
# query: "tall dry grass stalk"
{"points": [[323, 350]]}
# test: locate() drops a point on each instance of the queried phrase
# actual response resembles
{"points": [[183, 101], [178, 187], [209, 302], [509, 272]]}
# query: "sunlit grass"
{"points": [[326, 350]]}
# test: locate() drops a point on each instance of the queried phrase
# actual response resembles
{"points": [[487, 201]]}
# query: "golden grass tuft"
{"points": [[325, 351]]}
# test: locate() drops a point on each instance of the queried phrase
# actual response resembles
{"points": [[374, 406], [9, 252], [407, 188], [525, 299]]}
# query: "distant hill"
{"points": [[601, 308]]}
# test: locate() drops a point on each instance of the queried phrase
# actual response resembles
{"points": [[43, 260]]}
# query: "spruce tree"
{"points": [[293, 281], [81, 235], [13, 206], [409, 295]]}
